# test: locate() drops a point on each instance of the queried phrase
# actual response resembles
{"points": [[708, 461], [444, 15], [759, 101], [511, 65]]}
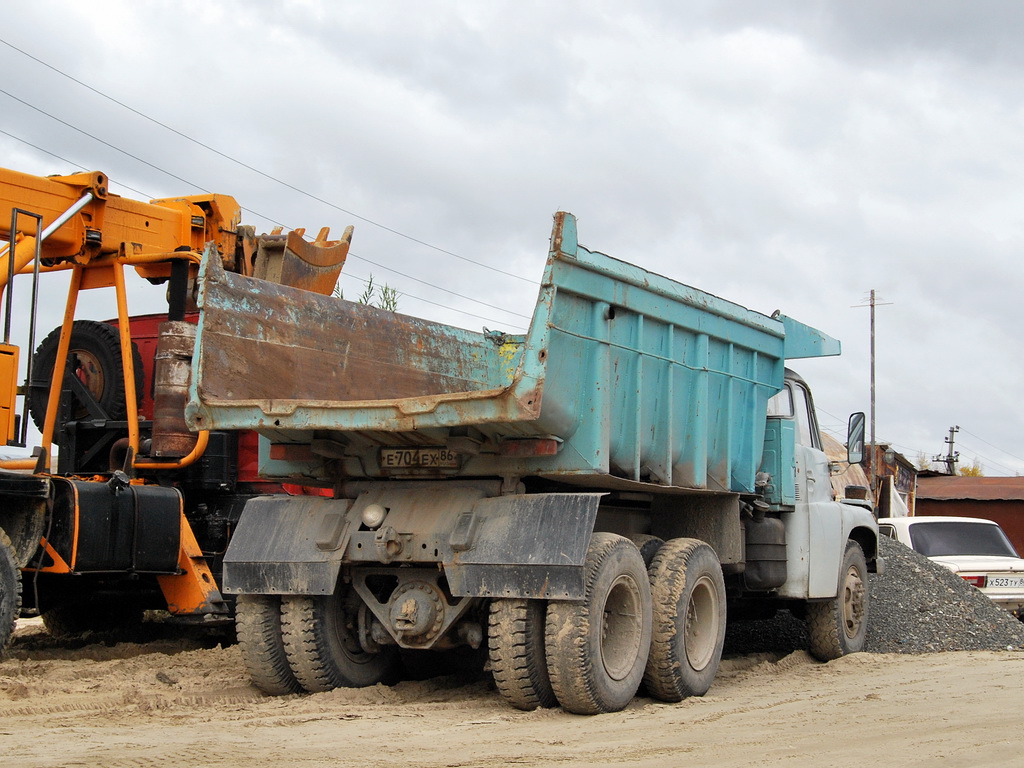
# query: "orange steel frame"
{"points": [[103, 236]]}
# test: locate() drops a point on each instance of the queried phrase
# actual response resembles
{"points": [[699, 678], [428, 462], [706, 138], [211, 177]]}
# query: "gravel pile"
{"points": [[917, 606]]}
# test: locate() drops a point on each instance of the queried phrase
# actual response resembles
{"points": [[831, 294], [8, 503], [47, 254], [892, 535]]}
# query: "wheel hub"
{"points": [[416, 612], [701, 630], [622, 628], [853, 602]]}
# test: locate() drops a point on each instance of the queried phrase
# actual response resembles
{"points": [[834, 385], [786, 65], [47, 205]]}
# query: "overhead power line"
{"points": [[256, 213], [990, 445], [243, 164]]}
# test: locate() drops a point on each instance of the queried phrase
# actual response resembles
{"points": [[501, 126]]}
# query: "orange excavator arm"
{"points": [[84, 223]]}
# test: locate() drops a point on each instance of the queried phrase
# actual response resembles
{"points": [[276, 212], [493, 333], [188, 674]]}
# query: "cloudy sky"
{"points": [[784, 155]]}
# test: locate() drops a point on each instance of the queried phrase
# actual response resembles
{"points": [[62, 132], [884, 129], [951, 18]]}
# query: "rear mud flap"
{"points": [[529, 546], [287, 545]]}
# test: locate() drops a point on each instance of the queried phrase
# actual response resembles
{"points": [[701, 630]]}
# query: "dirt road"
{"points": [[173, 702]]}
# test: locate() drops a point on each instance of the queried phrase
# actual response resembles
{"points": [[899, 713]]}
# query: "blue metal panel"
{"points": [[805, 341], [779, 461]]}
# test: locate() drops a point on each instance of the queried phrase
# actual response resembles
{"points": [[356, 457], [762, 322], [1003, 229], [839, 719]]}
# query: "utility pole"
{"points": [[951, 457], [872, 303]]}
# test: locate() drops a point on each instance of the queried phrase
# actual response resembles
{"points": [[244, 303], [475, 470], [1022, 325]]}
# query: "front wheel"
{"points": [[597, 649], [839, 626]]}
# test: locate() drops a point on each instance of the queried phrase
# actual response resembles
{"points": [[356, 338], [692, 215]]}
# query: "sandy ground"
{"points": [[176, 703]]}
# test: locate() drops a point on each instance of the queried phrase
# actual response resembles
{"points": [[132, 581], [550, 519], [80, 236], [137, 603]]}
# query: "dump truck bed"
{"points": [[623, 374]]}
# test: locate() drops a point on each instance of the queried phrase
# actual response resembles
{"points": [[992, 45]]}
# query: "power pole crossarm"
{"points": [[952, 457]]}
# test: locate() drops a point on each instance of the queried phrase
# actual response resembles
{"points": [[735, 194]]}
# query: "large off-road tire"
{"points": [[839, 626], [258, 627], [688, 591], [321, 643], [94, 356], [596, 649], [10, 592], [106, 615], [516, 647]]}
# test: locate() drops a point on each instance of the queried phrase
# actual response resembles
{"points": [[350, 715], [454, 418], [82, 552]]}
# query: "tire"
{"points": [[319, 634], [839, 626], [95, 356], [688, 591], [516, 648], [596, 649], [648, 546], [258, 626], [79, 617], [10, 592]]}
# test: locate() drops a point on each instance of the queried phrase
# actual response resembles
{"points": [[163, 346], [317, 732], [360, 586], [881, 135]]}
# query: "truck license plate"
{"points": [[1005, 581], [433, 457]]}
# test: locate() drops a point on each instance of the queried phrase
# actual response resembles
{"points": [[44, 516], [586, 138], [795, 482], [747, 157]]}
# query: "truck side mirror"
{"points": [[855, 439]]}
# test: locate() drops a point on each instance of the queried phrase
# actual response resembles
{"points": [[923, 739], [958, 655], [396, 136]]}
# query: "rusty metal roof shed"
{"points": [[943, 488]]}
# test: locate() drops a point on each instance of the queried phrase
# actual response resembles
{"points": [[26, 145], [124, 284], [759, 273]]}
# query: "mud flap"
{"points": [[287, 545], [529, 546]]}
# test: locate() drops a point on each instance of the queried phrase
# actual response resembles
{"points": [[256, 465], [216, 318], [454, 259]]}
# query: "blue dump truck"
{"points": [[588, 501]]}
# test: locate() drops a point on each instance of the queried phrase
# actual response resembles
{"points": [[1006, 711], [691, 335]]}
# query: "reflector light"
{"points": [[975, 581], [373, 515], [529, 447]]}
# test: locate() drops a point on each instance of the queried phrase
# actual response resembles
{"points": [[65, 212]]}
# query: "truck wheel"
{"points": [[516, 646], [596, 649], [97, 349], [258, 626], [10, 592], [839, 626], [321, 643], [689, 620]]}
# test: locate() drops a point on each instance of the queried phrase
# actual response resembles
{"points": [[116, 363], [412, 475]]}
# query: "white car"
{"points": [[976, 550]]}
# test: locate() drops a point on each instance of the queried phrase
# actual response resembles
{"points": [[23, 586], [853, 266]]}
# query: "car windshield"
{"points": [[935, 539]]}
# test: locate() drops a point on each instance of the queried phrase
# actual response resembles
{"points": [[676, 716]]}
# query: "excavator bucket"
{"points": [[290, 260]]}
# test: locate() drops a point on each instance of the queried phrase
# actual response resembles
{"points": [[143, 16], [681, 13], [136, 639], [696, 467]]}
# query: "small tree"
{"points": [[975, 470], [386, 299]]}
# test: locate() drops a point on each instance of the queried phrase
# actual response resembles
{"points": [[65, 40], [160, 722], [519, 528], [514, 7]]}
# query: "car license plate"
{"points": [[1005, 581], [432, 457]]}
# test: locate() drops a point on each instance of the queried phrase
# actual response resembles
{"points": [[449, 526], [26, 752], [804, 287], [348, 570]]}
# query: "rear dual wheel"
{"points": [[689, 620], [663, 624], [597, 648], [320, 638], [516, 650], [258, 626], [296, 643]]}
